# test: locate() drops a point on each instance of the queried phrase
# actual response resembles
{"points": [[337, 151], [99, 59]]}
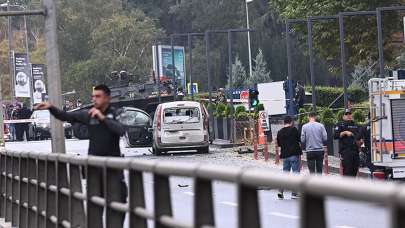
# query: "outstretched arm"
{"points": [[71, 117]]}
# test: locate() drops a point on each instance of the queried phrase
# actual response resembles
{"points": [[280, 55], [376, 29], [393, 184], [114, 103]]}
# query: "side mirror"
{"points": [[150, 130]]}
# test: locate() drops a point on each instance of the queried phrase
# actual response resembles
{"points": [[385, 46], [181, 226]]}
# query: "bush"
{"points": [[302, 117], [359, 117], [339, 115], [242, 116], [259, 107], [219, 112], [240, 109], [327, 117], [326, 95], [229, 111]]}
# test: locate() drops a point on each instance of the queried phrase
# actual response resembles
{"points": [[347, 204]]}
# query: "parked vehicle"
{"points": [[180, 125], [40, 129], [137, 123]]}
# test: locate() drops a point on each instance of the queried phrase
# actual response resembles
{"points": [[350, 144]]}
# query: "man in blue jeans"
{"points": [[288, 139]]}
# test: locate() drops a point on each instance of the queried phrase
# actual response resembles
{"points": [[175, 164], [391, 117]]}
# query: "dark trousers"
{"points": [[350, 162], [21, 129], [315, 161]]}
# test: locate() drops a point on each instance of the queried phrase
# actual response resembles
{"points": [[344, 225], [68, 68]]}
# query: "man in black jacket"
{"points": [[104, 135]]}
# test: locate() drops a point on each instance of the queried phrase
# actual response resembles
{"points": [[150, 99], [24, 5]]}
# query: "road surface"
{"points": [[275, 213]]}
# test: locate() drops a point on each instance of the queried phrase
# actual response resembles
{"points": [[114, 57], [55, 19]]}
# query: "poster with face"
{"points": [[38, 77], [22, 73]]}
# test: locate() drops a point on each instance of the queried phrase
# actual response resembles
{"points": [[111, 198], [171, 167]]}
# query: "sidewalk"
{"points": [[334, 162]]}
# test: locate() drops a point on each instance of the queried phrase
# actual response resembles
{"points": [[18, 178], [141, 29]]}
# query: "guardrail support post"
{"points": [[9, 188], [3, 176], [77, 214], [32, 191], [51, 196], [162, 200], [248, 207], [62, 200], [23, 194], [397, 216], [136, 199], [41, 192], [203, 203], [15, 190], [312, 211], [115, 191], [94, 188]]}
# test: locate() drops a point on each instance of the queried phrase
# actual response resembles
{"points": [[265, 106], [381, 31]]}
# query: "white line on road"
{"points": [[345, 227], [282, 215], [189, 193], [232, 204]]}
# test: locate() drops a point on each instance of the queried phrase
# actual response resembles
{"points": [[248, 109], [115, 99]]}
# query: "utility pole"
{"points": [[10, 53]]}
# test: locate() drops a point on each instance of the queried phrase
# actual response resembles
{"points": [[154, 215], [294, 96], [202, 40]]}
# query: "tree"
{"points": [[238, 74], [362, 73], [260, 73]]}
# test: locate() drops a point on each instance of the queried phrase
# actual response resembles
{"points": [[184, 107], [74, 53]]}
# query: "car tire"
{"points": [[204, 150], [156, 151]]}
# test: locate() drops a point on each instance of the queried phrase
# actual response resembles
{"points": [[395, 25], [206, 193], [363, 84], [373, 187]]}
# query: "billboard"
{"points": [[38, 78], [166, 66], [22, 75]]}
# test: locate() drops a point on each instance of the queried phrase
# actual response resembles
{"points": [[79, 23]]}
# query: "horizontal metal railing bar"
{"points": [[65, 191], [65, 224], [22, 13], [142, 212], [53, 219], [175, 169], [42, 185], [258, 178], [171, 222], [219, 173], [17, 178], [296, 20], [98, 200], [80, 196], [121, 207], [25, 180], [25, 205], [34, 209], [359, 13], [391, 8], [117, 163], [144, 166], [34, 181], [53, 188], [97, 161], [332, 17]]}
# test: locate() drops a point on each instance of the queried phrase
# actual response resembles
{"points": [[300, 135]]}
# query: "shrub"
{"points": [[359, 117], [339, 115], [302, 117], [326, 95], [240, 109], [242, 116], [219, 112], [229, 111], [259, 107], [327, 117]]}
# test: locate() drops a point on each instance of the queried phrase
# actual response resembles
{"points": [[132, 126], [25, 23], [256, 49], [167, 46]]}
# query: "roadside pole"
{"points": [[54, 75], [174, 68]]}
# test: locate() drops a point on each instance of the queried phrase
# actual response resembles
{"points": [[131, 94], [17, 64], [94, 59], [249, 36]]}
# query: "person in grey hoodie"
{"points": [[313, 139]]}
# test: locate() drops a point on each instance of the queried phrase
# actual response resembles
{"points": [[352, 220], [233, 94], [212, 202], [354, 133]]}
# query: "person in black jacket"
{"points": [[104, 135]]}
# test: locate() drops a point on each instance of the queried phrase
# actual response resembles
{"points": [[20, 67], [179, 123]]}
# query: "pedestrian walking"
{"points": [[346, 132], [288, 140], [24, 113], [313, 139], [104, 136]]}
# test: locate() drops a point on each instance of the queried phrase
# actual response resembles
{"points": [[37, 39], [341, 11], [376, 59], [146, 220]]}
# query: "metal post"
{"points": [[207, 56], [380, 44], [248, 35], [343, 58], [10, 53], [230, 81], [157, 72], [2, 142], [174, 68], [27, 51], [289, 58], [190, 54], [311, 62], [54, 79]]}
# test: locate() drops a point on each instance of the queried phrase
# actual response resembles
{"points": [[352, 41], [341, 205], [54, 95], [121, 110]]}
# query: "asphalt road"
{"points": [[275, 213]]}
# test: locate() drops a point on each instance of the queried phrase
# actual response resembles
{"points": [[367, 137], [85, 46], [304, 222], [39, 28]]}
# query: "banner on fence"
{"points": [[22, 74], [38, 77]]}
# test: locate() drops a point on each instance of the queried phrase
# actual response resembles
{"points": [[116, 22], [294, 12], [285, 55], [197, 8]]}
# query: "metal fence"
{"points": [[45, 190]]}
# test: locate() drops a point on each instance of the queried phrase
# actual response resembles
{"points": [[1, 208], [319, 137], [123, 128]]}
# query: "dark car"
{"points": [[136, 121], [40, 128]]}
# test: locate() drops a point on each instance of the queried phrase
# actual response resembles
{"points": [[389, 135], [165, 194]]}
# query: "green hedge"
{"points": [[326, 95]]}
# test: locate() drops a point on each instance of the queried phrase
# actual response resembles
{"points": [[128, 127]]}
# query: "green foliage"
{"points": [[238, 74], [259, 107], [359, 117], [240, 109], [220, 110], [327, 117], [260, 73], [242, 116], [302, 117], [339, 115], [362, 73], [326, 95], [229, 111]]}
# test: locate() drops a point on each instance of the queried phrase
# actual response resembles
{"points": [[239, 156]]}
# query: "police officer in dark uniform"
{"points": [[104, 137], [346, 132]]}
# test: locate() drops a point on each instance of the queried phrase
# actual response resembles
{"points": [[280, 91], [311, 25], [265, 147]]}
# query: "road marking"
{"points": [[282, 215], [232, 204], [345, 227], [189, 193]]}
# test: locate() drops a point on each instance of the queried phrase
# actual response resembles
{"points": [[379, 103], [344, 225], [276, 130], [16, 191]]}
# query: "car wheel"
{"points": [[204, 150], [156, 151]]}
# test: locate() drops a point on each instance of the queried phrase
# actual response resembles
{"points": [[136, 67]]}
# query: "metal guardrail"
{"points": [[45, 190]]}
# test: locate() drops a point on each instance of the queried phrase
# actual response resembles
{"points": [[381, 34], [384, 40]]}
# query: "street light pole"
{"points": [[343, 58], [190, 54], [174, 68], [311, 63], [248, 35]]}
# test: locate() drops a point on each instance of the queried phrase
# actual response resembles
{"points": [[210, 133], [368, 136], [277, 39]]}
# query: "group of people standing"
{"points": [[18, 111], [291, 143]]}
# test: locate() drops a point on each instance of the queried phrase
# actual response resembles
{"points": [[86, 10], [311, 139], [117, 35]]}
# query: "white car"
{"points": [[180, 125]]}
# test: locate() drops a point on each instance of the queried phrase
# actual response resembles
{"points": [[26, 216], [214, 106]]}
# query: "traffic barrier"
{"points": [[45, 190]]}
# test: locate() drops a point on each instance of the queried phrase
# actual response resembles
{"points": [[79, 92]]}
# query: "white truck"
{"points": [[387, 115]]}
